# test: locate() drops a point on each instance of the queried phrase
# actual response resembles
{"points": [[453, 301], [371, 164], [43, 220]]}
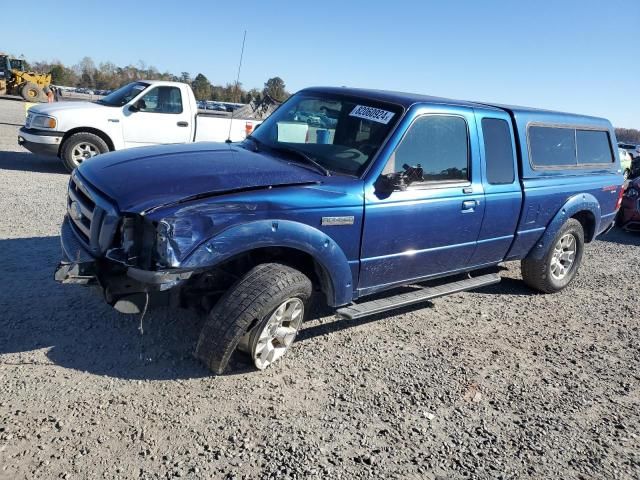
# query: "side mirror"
{"points": [[386, 184], [399, 181], [139, 105]]}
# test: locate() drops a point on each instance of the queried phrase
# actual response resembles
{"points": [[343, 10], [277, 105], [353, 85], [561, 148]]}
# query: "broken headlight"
{"points": [[174, 239]]}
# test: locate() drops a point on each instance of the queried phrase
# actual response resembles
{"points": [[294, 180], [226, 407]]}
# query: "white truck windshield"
{"points": [[123, 95]]}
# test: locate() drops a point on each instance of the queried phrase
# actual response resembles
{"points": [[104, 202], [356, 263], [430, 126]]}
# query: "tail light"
{"points": [[620, 194]]}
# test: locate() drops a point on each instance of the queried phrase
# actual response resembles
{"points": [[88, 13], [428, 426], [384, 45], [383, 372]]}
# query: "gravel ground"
{"points": [[497, 383]]}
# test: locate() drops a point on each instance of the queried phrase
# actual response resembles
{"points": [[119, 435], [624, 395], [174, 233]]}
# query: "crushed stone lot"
{"points": [[497, 383]]}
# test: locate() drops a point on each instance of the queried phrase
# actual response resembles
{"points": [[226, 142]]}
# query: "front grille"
{"points": [[92, 217], [82, 214]]}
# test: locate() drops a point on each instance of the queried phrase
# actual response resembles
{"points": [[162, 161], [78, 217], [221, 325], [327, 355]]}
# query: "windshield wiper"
{"points": [[306, 157]]}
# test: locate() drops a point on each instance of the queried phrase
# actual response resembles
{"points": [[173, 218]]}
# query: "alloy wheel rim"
{"points": [[564, 255], [83, 151], [278, 333]]}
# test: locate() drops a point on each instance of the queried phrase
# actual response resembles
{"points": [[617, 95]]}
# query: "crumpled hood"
{"points": [[139, 179]]}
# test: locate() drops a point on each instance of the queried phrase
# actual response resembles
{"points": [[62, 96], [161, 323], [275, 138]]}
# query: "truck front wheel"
{"points": [[79, 147], [560, 263], [261, 315]]}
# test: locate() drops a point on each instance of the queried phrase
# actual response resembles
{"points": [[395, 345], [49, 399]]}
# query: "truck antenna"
{"points": [[236, 87]]}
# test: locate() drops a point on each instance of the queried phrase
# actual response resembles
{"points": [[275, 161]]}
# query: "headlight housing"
{"points": [[174, 239], [43, 121]]}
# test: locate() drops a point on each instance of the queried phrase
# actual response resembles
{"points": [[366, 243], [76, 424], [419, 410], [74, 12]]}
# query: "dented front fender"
{"points": [[279, 233]]}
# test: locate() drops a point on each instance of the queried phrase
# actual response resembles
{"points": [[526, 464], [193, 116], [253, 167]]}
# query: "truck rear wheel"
{"points": [[30, 92], [560, 263], [79, 147], [261, 314]]}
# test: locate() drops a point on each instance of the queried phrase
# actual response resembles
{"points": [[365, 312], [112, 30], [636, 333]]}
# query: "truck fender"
{"points": [[279, 233], [577, 203]]}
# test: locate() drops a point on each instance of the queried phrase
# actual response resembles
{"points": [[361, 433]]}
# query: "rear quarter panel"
{"points": [[549, 190]]}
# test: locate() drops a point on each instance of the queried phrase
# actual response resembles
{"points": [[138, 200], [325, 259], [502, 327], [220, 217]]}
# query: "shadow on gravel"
{"points": [[72, 327], [507, 286], [617, 235], [28, 162], [318, 311]]}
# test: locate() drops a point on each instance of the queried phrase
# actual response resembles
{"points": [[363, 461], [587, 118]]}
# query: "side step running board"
{"points": [[359, 310]]}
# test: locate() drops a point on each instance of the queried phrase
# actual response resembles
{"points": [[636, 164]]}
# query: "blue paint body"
{"points": [[243, 200]]}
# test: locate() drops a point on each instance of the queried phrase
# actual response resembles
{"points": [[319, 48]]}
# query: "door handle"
{"points": [[469, 206], [183, 124]]}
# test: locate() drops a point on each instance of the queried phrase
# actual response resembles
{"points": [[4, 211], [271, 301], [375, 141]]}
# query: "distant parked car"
{"points": [[216, 107], [634, 150], [629, 214], [625, 162]]}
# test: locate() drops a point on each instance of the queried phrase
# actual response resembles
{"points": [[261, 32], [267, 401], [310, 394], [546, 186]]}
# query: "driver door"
{"points": [[432, 227], [160, 117]]}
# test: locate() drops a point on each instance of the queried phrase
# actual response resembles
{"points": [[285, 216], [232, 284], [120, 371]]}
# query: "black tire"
{"points": [[31, 92], [79, 139], [537, 273], [248, 302]]}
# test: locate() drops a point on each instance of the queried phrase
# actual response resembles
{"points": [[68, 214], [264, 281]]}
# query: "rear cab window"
{"points": [[498, 148]]}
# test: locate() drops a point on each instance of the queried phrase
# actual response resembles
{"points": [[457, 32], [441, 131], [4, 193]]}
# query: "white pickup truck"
{"points": [[139, 114]]}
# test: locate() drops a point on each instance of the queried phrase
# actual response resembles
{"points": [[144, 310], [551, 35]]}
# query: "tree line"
{"points": [[628, 135], [108, 76]]}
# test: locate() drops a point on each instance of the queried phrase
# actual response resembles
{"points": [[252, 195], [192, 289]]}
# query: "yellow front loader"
{"points": [[16, 80]]}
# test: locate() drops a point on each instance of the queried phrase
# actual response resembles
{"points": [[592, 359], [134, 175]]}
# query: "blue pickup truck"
{"points": [[346, 193]]}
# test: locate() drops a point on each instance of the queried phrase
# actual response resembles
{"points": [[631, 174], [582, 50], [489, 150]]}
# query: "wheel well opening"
{"points": [[588, 222], [223, 275], [95, 131]]}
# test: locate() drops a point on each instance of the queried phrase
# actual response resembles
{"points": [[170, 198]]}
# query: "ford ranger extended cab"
{"points": [[141, 113], [347, 193]]}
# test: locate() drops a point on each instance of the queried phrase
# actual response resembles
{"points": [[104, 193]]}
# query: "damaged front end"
{"points": [[113, 252]]}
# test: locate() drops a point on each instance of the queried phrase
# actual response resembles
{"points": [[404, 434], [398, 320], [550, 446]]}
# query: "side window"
{"points": [[498, 151], [439, 144], [593, 147], [552, 146], [162, 100]]}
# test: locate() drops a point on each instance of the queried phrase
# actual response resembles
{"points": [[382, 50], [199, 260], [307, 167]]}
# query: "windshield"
{"points": [[340, 133], [123, 95]]}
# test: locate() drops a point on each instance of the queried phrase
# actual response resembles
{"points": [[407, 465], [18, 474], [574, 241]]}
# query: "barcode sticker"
{"points": [[373, 114]]}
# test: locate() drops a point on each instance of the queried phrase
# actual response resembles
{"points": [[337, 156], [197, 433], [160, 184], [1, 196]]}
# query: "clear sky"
{"points": [[577, 56]]}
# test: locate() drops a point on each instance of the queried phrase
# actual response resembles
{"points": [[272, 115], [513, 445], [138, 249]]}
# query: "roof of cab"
{"points": [[409, 99]]}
